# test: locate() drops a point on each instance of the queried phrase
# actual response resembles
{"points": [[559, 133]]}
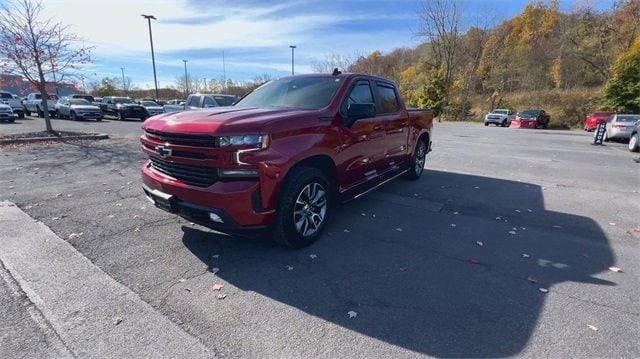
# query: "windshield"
{"points": [[529, 113], [148, 103], [79, 101], [309, 93], [501, 112], [628, 118], [122, 100]]}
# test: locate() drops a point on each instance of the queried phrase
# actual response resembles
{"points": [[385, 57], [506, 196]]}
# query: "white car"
{"points": [[152, 108], [6, 113], [77, 109], [33, 103], [620, 126], [13, 101], [499, 117], [174, 106]]}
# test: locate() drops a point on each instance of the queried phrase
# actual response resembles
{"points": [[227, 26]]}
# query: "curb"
{"points": [[12, 141]]}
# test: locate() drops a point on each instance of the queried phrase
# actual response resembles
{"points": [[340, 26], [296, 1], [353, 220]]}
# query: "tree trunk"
{"points": [[45, 102]]}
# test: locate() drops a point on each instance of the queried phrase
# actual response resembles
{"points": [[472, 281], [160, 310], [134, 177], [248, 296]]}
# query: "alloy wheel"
{"points": [[421, 156], [310, 209]]}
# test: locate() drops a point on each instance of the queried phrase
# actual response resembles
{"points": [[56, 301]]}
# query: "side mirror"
{"points": [[358, 111]]}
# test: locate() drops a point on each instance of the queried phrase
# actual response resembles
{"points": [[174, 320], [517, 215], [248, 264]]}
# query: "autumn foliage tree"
{"points": [[38, 48], [622, 91]]}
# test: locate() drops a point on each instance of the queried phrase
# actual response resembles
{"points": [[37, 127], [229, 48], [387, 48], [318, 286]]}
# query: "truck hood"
{"points": [[222, 120]]}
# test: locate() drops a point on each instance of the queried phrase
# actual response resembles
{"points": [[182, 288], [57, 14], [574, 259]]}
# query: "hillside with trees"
{"points": [[569, 63]]}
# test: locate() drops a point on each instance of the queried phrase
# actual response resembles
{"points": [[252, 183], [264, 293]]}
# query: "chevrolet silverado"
{"points": [[285, 155]]}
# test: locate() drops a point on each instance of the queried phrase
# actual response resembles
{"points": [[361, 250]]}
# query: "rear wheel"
{"points": [[303, 209], [634, 143], [27, 112], [504, 123], [74, 117], [606, 136], [40, 113], [20, 114], [418, 161], [121, 116], [486, 123]]}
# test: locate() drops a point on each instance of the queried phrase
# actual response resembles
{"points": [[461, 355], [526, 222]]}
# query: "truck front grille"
{"points": [[192, 175], [182, 139]]}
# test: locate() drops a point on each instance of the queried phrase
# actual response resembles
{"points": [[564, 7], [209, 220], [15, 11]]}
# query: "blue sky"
{"points": [[254, 35]]}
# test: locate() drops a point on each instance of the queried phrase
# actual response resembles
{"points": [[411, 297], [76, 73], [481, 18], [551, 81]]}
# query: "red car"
{"points": [[284, 155], [596, 118], [531, 119]]}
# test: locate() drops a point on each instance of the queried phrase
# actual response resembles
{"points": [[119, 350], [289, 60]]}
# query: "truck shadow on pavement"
{"points": [[460, 282]]}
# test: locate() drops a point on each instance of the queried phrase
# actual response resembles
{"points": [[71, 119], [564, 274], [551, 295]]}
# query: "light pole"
{"points": [[186, 78], [224, 75], [293, 49], [153, 57], [124, 86]]}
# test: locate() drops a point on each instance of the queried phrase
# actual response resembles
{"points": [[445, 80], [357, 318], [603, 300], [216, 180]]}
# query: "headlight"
{"points": [[248, 140]]}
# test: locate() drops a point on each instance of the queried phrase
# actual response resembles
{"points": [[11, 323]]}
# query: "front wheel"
{"points": [[303, 209], [20, 114], [74, 117], [418, 160], [121, 116], [504, 123], [634, 143], [40, 113]]}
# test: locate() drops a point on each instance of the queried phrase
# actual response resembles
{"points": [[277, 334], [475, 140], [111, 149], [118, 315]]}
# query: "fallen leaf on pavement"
{"points": [[480, 243], [473, 261], [455, 213], [363, 214], [612, 224], [543, 290], [346, 231], [216, 256], [399, 229], [517, 210], [593, 327], [453, 225], [221, 296], [313, 256], [75, 235], [352, 314], [289, 267], [403, 269], [512, 232], [524, 255], [615, 269], [182, 280], [217, 286], [117, 321], [532, 279], [214, 270]]}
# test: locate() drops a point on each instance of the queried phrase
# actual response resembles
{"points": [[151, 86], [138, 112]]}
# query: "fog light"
{"points": [[214, 217]]}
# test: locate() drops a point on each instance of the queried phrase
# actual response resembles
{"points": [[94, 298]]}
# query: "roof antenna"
{"points": [[336, 72]]}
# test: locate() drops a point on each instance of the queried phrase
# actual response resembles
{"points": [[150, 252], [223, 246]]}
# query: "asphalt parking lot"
{"points": [[450, 265]]}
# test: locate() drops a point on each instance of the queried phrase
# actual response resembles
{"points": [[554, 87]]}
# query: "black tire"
{"points": [[20, 114], [11, 120], [28, 113], [504, 123], [486, 123], [40, 112], [634, 143], [418, 160], [121, 116], [98, 119], [285, 231], [74, 117]]}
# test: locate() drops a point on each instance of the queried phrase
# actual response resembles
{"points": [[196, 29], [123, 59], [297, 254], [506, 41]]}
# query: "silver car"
{"points": [[77, 109], [620, 126], [152, 108]]}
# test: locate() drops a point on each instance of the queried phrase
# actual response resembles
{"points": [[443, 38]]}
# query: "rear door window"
{"points": [[388, 98]]}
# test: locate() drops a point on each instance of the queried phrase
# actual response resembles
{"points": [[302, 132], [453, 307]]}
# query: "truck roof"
{"points": [[345, 76]]}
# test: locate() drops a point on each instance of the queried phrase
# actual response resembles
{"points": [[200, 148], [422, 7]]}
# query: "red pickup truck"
{"points": [[284, 155]]}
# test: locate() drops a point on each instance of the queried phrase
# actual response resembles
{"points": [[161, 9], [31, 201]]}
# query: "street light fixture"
{"points": [[186, 78], [153, 57], [293, 48]]}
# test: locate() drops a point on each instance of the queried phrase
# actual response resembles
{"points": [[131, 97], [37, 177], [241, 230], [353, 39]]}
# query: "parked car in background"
{"points": [[14, 101], [174, 106], [83, 96], [634, 140], [594, 119], [152, 108], [77, 109], [532, 118], [122, 108], [620, 126], [499, 117], [33, 103], [284, 156], [6, 113], [198, 101]]}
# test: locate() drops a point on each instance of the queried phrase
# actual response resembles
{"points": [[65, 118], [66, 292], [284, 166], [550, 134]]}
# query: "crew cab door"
{"points": [[363, 149], [396, 121]]}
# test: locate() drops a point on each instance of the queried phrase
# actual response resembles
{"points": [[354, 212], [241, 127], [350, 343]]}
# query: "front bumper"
{"points": [[89, 115], [237, 202], [495, 120]]}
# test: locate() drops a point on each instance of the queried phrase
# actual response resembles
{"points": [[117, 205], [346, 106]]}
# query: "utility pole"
{"points": [[124, 86], [293, 48], [153, 57], [186, 79], [224, 75]]}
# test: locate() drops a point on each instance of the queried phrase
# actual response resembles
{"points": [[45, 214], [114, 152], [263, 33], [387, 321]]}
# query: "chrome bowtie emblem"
{"points": [[163, 151]]}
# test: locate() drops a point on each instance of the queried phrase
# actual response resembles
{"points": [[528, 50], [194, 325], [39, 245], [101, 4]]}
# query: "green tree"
{"points": [[622, 91]]}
